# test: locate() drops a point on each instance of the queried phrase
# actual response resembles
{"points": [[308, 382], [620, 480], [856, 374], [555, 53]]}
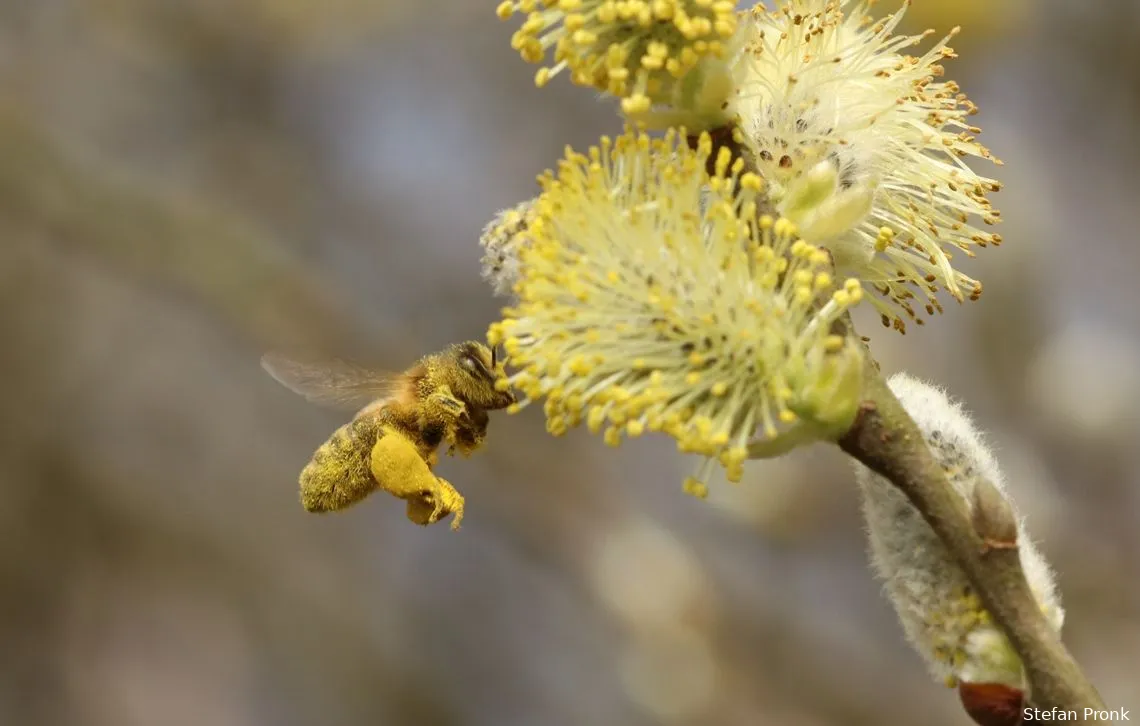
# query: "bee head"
{"points": [[478, 375]]}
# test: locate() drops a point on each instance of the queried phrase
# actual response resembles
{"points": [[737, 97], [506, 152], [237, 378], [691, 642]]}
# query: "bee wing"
{"points": [[331, 382]]}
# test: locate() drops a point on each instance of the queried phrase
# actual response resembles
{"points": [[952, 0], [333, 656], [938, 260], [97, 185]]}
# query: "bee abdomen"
{"points": [[340, 474]]}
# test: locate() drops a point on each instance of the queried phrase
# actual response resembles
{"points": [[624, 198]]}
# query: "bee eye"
{"points": [[469, 363]]}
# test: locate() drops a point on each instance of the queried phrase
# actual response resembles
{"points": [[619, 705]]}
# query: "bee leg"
{"points": [[444, 404], [471, 432], [452, 502], [442, 410], [399, 470], [430, 507]]}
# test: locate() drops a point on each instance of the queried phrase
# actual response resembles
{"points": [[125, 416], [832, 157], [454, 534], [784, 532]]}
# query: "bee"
{"points": [[392, 442]]}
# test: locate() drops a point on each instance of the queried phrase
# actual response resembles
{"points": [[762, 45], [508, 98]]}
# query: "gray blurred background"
{"points": [[186, 183]]}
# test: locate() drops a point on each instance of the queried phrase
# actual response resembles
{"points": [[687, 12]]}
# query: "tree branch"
{"points": [[886, 440]]}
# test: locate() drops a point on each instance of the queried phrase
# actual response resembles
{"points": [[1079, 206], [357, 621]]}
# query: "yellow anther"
{"points": [[595, 419], [819, 257], [612, 437], [695, 488], [784, 228], [751, 182]]}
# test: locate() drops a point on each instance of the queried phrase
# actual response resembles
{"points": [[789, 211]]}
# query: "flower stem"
{"points": [[886, 440], [786, 442]]}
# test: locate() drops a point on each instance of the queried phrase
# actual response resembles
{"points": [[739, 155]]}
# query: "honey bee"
{"points": [[392, 442]]}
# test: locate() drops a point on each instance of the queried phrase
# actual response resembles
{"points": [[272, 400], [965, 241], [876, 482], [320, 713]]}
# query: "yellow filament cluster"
{"points": [[633, 49], [643, 308], [822, 81]]}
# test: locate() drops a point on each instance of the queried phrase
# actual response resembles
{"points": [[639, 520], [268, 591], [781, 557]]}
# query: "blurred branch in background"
{"points": [[165, 242]]}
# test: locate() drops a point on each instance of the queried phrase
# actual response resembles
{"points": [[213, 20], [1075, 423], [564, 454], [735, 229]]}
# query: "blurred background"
{"points": [[187, 183]]}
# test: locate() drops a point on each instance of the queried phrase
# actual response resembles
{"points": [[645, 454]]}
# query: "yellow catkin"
{"points": [[636, 50], [612, 329], [880, 180]]}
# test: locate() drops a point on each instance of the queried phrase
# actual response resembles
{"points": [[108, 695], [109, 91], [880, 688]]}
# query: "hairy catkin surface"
{"points": [[941, 615]]}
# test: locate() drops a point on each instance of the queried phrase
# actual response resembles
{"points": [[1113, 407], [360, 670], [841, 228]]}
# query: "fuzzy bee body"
{"points": [[340, 472], [392, 442]]}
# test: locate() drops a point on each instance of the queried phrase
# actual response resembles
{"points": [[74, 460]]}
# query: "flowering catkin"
{"points": [[637, 50], [865, 148], [941, 615], [640, 308]]}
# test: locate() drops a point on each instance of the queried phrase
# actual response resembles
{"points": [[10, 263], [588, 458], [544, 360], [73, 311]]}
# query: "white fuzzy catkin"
{"points": [[942, 616], [502, 241]]}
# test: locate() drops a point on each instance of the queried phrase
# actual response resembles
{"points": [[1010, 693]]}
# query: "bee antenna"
{"points": [[494, 354]]}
